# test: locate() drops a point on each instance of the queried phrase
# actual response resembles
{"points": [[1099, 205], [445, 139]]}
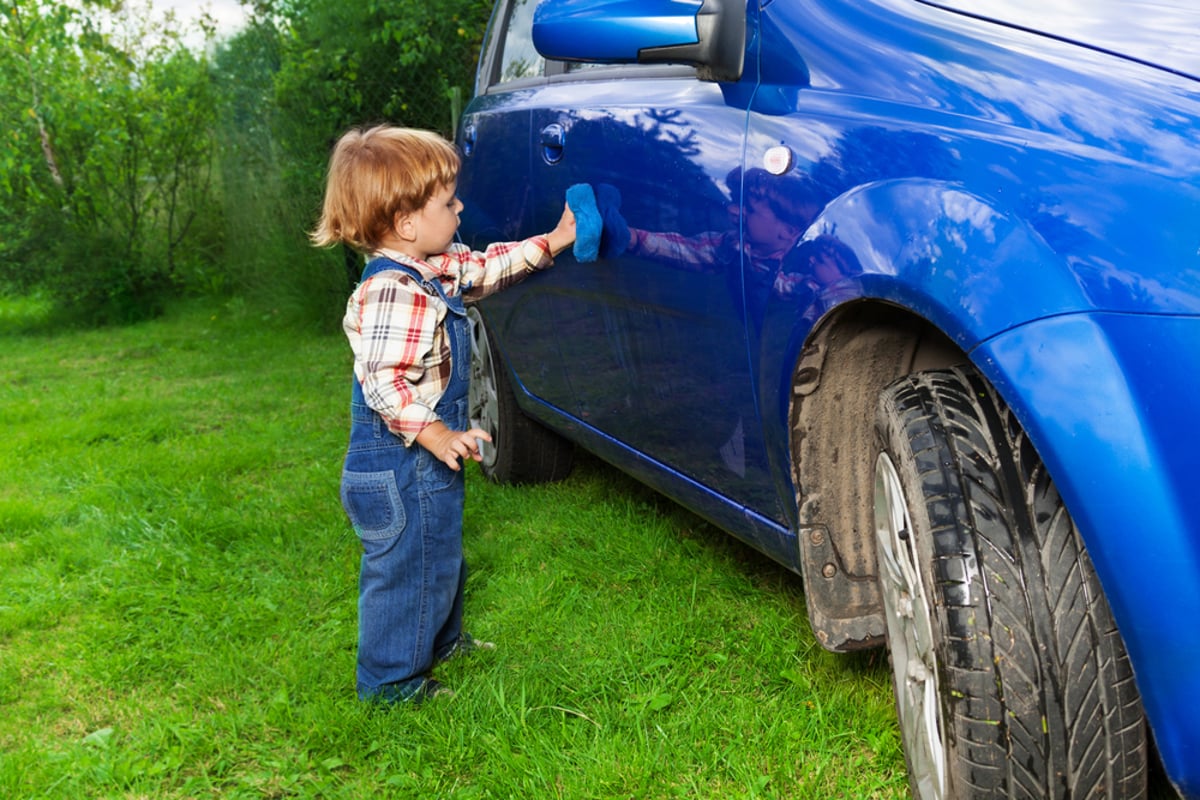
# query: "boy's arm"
{"points": [[503, 264], [390, 328], [563, 235]]}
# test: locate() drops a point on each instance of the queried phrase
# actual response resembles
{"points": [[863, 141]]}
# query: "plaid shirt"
{"points": [[401, 348], [699, 253]]}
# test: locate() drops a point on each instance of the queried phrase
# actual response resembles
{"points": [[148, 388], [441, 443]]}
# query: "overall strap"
{"points": [[383, 264]]}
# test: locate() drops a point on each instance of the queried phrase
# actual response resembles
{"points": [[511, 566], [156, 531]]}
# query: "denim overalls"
{"points": [[406, 507]]}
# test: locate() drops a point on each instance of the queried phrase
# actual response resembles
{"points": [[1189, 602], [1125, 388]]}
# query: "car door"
{"points": [[654, 338], [495, 184], [647, 347]]}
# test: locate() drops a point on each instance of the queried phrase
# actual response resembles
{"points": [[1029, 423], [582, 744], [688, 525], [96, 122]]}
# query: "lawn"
{"points": [[178, 588]]}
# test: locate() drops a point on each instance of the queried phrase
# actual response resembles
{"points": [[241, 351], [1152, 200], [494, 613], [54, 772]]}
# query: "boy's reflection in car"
{"points": [[767, 257], [815, 272]]}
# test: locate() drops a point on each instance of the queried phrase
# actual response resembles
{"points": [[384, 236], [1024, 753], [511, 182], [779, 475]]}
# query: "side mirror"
{"points": [[707, 34]]}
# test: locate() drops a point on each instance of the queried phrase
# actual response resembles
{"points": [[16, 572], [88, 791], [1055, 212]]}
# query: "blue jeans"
{"points": [[407, 508]]}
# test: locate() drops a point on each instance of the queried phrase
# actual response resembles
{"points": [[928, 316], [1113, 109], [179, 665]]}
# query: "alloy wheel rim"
{"points": [[910, 636], [482, 396]]}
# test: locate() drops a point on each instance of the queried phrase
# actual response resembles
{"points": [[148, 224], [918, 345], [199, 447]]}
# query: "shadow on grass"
{"points": [[760, 570]]}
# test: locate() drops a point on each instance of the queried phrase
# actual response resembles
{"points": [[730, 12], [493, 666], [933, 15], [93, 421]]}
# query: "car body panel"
{"points": [[652, 349], [1033, 200], [1117, 432], [1162, 34]]}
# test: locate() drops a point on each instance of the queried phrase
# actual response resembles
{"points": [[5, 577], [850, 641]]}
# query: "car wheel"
{"points": [[521, 450], [1009, 675]]}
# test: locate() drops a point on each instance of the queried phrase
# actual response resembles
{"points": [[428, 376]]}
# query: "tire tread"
{"points": [[1037, 689]]}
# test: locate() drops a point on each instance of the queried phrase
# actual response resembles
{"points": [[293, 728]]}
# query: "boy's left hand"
{"points": [[449, 446]]}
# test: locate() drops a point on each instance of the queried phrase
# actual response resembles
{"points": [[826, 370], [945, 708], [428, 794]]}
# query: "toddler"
{"points": [[390, 194]]}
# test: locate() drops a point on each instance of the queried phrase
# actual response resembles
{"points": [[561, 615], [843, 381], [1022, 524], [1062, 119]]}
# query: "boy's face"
{"points": [[437, 221], [765, 230]]}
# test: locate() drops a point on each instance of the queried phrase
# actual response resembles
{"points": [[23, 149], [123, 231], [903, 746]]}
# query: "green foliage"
{"points": [[133, 170], [35, 58], [111, 170], [266, 218], [387, 60], [293, 81]]}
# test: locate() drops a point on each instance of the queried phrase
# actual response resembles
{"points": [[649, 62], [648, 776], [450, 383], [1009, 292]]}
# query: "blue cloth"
{"points": [[588, 224], [406, 507]]}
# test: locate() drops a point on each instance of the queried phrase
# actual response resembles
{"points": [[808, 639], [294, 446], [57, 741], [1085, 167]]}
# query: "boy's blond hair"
{"points": [[376, 174]]}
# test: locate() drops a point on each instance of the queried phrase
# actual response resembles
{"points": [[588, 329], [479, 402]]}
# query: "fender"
{"points": [[1115, 426], [883, 269], [1113, 417], [965, 265]]}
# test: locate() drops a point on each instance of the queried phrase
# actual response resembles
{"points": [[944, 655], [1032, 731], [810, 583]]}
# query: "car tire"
{"points": [[521, 450], [1010, 677]]}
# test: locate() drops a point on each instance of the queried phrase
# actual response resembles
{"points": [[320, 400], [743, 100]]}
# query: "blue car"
{"points": [[906, 295]]}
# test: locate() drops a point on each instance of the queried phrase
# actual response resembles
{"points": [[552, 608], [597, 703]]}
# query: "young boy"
{"points": [[390, 194]]}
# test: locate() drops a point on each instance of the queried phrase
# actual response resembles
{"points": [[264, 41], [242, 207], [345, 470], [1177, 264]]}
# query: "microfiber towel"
{"points": [[615, 238], [588, 224]]}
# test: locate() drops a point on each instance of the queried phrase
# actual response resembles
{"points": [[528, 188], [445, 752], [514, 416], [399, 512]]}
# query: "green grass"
{"points": [[178, 589]]}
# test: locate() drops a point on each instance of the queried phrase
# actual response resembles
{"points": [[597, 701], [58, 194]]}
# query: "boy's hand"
{"points": [[563, 235], [449, 446]]}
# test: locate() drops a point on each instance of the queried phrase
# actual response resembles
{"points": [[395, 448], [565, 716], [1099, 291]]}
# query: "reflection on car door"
{"points": [[653, 340]]}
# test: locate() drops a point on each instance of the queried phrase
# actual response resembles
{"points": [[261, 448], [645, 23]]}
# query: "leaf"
{"points": [[98, 738], [660, 701]]}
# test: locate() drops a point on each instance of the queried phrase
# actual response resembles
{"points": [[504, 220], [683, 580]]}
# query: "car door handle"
{"points": [[553, 139], [468, 139]]}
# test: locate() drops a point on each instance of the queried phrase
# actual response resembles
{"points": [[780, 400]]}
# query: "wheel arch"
{"points": [[934, 268], [850, 357]]}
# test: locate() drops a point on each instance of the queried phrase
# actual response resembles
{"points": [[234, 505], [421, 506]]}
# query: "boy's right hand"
{"points": [[563, 235], [449, 446]]}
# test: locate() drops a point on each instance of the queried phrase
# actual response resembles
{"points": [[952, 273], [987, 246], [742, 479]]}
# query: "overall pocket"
{"points": [[372, 502]]}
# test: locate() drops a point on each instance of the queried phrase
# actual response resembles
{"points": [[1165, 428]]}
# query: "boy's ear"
{"points": [[405, 227]]}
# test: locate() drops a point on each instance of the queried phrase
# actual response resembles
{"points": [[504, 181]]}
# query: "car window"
{"points": [[518, 57], [582, 66]]}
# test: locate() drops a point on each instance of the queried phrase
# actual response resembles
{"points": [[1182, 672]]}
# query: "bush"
{"points": [[135, 170], [291, 85], [109, 172]]}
